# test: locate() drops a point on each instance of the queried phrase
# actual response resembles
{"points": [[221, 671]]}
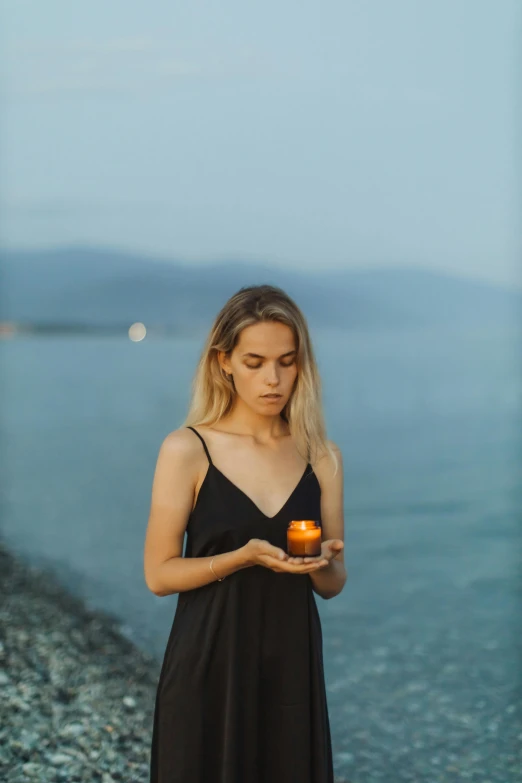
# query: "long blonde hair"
{"points": [[213, 392]]}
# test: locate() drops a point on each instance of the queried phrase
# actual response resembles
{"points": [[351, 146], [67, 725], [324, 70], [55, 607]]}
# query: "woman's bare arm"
{"points": [[329, 581], [166, 571]]}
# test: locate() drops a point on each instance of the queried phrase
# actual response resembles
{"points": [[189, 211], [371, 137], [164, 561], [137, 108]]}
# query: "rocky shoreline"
{"points": [[77, 696]]}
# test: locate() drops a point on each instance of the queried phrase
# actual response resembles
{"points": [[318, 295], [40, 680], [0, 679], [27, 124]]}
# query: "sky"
{"points": [[347, 133]]}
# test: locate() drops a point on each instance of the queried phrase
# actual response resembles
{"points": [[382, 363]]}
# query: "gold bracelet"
{"points": [[217, 577]]}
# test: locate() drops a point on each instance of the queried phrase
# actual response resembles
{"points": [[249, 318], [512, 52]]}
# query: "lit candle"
{"points": [[304, 538]]}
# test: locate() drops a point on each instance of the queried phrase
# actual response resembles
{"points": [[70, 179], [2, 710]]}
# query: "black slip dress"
{"points": [[241, 695]]}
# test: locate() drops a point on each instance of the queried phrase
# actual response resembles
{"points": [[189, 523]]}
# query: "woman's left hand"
{"points": [[329, 549]]}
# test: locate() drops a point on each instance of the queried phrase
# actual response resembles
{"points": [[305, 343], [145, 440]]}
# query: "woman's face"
{"points": [[264, 362]]}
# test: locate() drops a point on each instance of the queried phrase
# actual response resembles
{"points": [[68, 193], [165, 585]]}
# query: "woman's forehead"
{"points": [[266, 339]]}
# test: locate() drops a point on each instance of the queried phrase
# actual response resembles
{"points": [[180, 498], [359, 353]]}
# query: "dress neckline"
{"points": [[238, 489], [249, 499]]}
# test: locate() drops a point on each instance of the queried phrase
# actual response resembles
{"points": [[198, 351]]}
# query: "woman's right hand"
{"points": [[260, 552]]}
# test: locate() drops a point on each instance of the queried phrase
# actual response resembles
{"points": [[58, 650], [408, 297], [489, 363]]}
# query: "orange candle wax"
{"points": [[304, 538]]}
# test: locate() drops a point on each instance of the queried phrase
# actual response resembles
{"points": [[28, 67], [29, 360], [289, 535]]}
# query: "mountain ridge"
{"points": [[87, 285]]}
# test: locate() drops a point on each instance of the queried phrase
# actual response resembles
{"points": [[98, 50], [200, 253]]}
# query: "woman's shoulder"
{"points": [[334, 447], [182, 444], [328, 463], [325, 453]]}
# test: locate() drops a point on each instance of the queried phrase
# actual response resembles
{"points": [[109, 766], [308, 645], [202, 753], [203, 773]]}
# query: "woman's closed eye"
{"points": [[257, 366]]}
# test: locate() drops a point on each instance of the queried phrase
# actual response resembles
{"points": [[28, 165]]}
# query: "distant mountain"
{"points": [[103, 288]]}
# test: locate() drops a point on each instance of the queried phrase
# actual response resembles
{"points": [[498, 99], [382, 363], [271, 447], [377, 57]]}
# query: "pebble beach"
{"points": [[77, 696]]}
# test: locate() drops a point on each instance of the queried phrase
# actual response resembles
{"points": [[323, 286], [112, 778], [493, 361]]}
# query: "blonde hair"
{"points": [[213, 392]]}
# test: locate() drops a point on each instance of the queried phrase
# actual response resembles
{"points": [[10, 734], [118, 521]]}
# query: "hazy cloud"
{"points": [[118, 65], [35, 208], [86, 66], [59, 46]]}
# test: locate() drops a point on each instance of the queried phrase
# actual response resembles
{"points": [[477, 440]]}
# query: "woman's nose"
{"points": [[272, 375]]}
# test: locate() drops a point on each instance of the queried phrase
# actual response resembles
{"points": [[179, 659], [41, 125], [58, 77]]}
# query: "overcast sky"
{"points": [[327, 133]]}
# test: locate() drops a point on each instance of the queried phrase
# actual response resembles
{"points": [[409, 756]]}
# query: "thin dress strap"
{"points": [[203, 442]]}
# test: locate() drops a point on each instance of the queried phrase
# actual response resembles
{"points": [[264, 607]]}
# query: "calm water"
{"points": [[429, 425]]}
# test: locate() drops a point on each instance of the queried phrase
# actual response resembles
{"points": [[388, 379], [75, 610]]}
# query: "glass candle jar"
{"points": [[303, 538]]}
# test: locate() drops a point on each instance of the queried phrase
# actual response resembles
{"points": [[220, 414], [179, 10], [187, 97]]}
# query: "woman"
{"points": [[241, 695]]}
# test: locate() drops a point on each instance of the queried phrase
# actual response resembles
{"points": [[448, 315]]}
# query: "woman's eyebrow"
{"points": [[258, 356]]}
